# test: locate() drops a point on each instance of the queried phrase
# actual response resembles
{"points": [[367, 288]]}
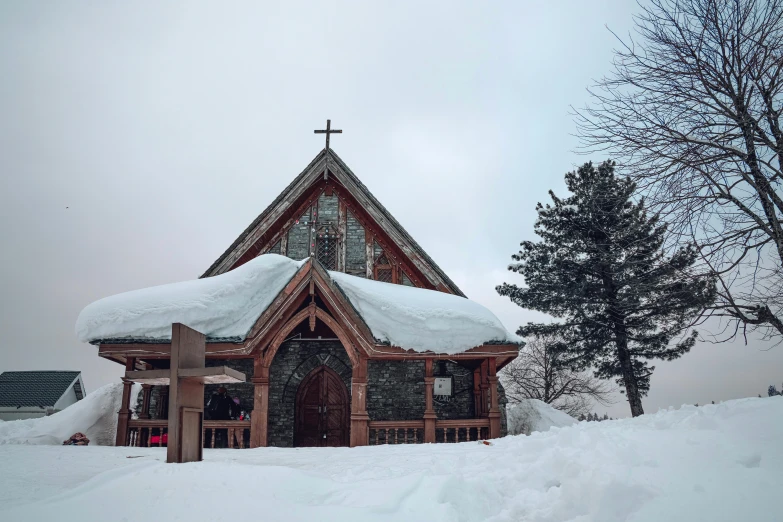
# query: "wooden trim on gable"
{"points": [[275, 221]]}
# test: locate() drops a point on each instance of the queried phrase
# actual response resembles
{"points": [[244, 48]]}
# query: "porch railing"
{"points": [[461, 430], [154, 432], [412, 432], [396, 432]]}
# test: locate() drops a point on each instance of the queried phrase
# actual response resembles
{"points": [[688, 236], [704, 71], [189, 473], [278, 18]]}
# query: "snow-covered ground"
{"points": [[714, 463]]}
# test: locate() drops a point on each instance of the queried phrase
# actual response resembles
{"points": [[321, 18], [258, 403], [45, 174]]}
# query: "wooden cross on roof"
{"points": [[328, 130]]}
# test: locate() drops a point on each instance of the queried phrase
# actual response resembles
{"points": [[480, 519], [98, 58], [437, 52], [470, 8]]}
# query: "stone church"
{"points": [[347, 331]]}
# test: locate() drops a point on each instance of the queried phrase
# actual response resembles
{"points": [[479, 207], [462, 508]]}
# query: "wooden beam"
{"points": [[342, 227], [360, 432], [494, 405], [124, 414], [369, 253], [430, 417], [211, 375], [260, 418], [384, 352]]}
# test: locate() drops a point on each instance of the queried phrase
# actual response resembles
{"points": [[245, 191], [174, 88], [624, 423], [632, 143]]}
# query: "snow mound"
{"points": [[95, 416], [534, 415], [223, 306], [422, 320], [717, 462]]}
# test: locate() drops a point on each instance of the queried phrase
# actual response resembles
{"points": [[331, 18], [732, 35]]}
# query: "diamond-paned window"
{"points": [[384, 270], [326, 248]]}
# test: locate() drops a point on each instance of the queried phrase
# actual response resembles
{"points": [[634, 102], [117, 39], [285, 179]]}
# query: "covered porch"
{"points": [[373, 345]]}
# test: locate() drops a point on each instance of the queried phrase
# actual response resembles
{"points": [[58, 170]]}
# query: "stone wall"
{"points": [[299, 238], [395, 391], [355, 253], [327, 210], [293, 361]]}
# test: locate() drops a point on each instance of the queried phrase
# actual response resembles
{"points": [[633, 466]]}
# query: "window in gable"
{"points": [[384, 270], [326, 247]]}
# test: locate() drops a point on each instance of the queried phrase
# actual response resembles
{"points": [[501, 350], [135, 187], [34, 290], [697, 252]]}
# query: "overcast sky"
{"points": [[138, 140]]}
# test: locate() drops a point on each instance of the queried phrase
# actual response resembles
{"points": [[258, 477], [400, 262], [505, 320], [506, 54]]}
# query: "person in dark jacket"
{"points": [[221, 407]]}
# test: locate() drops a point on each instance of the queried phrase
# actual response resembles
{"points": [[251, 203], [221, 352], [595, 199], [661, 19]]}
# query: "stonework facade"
{"points": [[395, 389], [293, 361]]}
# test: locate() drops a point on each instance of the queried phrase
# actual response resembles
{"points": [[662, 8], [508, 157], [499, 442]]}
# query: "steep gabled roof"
{"points": [[343, 174], [34, 388]]}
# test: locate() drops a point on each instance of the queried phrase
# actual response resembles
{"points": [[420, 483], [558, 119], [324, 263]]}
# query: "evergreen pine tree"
{"points": [[600, 267], [772, 391]]}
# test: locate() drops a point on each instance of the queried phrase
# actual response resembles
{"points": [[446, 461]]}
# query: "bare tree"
{"points": [[538, 374], [692, 112]]}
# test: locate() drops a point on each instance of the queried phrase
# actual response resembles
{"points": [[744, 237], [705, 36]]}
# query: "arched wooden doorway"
{"points": [[322, 410]]}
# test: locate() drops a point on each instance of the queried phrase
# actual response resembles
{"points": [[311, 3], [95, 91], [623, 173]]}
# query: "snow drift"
{"points": [[717, 462], [533, 415], [95, 416], [227, 306]]}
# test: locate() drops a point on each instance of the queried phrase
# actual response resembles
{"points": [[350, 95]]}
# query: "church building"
{"points": [[348, 333]]}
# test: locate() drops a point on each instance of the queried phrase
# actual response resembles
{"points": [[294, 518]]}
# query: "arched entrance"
{"points": [[322, 410]]}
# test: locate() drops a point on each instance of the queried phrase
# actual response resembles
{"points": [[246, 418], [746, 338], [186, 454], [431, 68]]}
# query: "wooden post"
{"points": [[477, 392], [494, 406], [163, 403], [429, 407], [484, 385], [369, 252], [260, 418], [342, 226], [125, 413], [360, 431], [146, 390], [186, 396]]}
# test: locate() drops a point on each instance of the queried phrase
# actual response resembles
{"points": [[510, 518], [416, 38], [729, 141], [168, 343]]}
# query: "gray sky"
{"points": [[167, 128]]}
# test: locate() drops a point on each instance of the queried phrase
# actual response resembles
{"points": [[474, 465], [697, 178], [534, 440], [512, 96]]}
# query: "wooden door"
{"points": [[322, 410]]}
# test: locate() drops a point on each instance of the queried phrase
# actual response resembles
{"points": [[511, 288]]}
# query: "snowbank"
{"points": [[420, 319], [222, 306], [533, 415], [95, 416], [716, 462]]}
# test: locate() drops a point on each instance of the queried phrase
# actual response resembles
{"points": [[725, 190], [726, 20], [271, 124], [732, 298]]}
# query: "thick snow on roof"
{"points": [[223, 306], [227, 306], [422, 320]]}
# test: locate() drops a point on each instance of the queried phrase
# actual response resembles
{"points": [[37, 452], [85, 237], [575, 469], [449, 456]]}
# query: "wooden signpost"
{"points": [[186, 379]]}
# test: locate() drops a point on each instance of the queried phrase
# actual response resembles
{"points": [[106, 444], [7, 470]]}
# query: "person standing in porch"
{"points": [[221, 407]]}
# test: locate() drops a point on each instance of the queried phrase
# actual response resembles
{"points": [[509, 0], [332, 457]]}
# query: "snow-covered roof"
{"points": [[420, 319], [221, 307], [228, 305]]}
